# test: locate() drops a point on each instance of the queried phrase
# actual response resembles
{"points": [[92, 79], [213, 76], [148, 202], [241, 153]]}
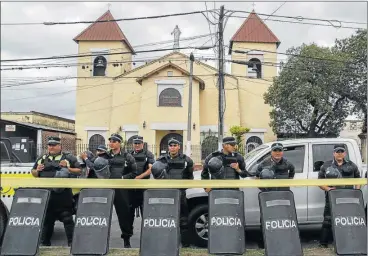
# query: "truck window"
{"points": [[322, 153], [294, 154]]}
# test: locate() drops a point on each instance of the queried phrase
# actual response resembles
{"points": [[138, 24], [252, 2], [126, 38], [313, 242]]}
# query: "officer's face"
{"points": [[114, 144], [174, 148], [54, 148], [277, 154], [138, 146], [339, 155], [230, 147]]}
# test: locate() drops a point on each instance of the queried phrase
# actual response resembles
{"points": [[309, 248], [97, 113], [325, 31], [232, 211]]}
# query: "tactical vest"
{"points": [[176, 166], [347, 171], [230, 173], [51, 164], [117, 167], [141, 161]]}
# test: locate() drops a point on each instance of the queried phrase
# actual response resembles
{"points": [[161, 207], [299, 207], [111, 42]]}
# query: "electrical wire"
{"points": [[104, 21]]}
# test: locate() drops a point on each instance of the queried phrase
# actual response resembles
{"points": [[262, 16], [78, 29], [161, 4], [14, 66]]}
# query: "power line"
{"points": [[104, 21], [299, 22], [301, 18], [115, 53]]}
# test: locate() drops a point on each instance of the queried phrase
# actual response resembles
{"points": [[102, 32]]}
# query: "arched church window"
{"points": [[170, 97], [95, 141], [255, 68], [99, 66]]}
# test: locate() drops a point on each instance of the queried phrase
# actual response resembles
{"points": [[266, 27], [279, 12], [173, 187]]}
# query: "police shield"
{"points": [[348, 221], [279, 223], [25, 223], [226, 222], [160, 233], [93, 222]]}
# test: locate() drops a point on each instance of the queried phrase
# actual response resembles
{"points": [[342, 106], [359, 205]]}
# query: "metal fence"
{"points": [[199, 152]]}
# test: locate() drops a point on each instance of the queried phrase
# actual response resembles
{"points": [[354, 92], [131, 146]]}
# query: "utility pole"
{"points": [[221, 76], [189, 128]]}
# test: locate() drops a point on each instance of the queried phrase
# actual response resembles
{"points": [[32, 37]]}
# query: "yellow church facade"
{"points": [[152, 100]]}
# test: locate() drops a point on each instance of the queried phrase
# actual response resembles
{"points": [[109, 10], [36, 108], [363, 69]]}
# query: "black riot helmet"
{"points": [[216, 168], [159, 170], [102, 168], [267, 174], [333, 173]]}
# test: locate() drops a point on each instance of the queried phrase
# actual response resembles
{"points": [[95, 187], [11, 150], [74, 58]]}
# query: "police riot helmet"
{"points": [[102, 168], [267, 174], [216, 168], [159, 170], [332, 173], [62, 173]]}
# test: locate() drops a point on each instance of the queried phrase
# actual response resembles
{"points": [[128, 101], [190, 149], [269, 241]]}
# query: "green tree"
{"points": [[238, 132], [353, 51], [303, 96]]}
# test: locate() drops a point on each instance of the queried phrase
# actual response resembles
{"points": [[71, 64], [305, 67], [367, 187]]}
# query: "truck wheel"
{"points": [[4, 216], [198, 225]]}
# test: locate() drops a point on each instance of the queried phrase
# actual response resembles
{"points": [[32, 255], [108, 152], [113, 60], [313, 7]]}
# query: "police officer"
{"points": [[144, 160], [233, 162], [277, 164], [277, 167], [60, 207], [339, 167], [89, 159], [122, 166], [178, 166]]}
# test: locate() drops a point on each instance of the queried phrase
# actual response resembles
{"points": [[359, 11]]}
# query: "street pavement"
{"points": [[309, 237]]}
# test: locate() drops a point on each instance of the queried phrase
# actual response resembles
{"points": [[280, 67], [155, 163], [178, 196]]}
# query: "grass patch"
{"points": [[63, 251]]}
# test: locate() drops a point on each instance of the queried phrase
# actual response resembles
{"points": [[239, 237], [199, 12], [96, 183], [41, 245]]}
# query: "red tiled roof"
{"points": [[254, 30], [103, 31]]}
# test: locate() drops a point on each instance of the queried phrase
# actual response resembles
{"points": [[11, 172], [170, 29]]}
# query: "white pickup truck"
{"points": [[302, 153], [309, 201]]}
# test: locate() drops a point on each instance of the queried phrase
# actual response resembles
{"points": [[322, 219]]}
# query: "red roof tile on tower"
{"points": [[254, 30], [103, 31]]}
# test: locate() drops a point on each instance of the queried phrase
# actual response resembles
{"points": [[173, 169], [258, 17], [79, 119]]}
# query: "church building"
{"points": [[152, 100]]}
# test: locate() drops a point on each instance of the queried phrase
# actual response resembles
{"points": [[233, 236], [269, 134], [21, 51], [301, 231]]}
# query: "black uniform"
{"points": [[283, 169], [142, 158], [122, 165], [227, 160], [60, 206], [180, 167], [348, 170]]}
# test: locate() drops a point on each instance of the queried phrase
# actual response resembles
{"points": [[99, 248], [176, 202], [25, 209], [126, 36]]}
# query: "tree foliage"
{"points": [[354, 72], [304, 97], [238, 132]]}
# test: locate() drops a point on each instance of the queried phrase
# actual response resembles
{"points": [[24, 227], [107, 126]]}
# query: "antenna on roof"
{"points": [[254, 4], [108, 6]]}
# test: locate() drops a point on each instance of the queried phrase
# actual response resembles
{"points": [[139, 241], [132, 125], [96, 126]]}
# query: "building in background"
{"points": [[34, 117], [25, 133], [353, 127], [152, 100]]}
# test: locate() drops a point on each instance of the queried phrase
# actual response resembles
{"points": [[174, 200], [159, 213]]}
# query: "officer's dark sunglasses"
{"points": [[137, 143], [340, 151], [173, 145]]}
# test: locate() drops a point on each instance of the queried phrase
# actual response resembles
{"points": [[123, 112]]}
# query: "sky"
{"points": [[58, 97]]}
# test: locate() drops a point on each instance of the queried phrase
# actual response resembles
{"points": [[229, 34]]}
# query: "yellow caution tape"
{"points": [[152, 183]]}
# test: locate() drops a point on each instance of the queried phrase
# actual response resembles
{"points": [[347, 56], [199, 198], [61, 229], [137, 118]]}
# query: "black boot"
{"points": [[127, 243], [323, 242], [46, 243]]}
